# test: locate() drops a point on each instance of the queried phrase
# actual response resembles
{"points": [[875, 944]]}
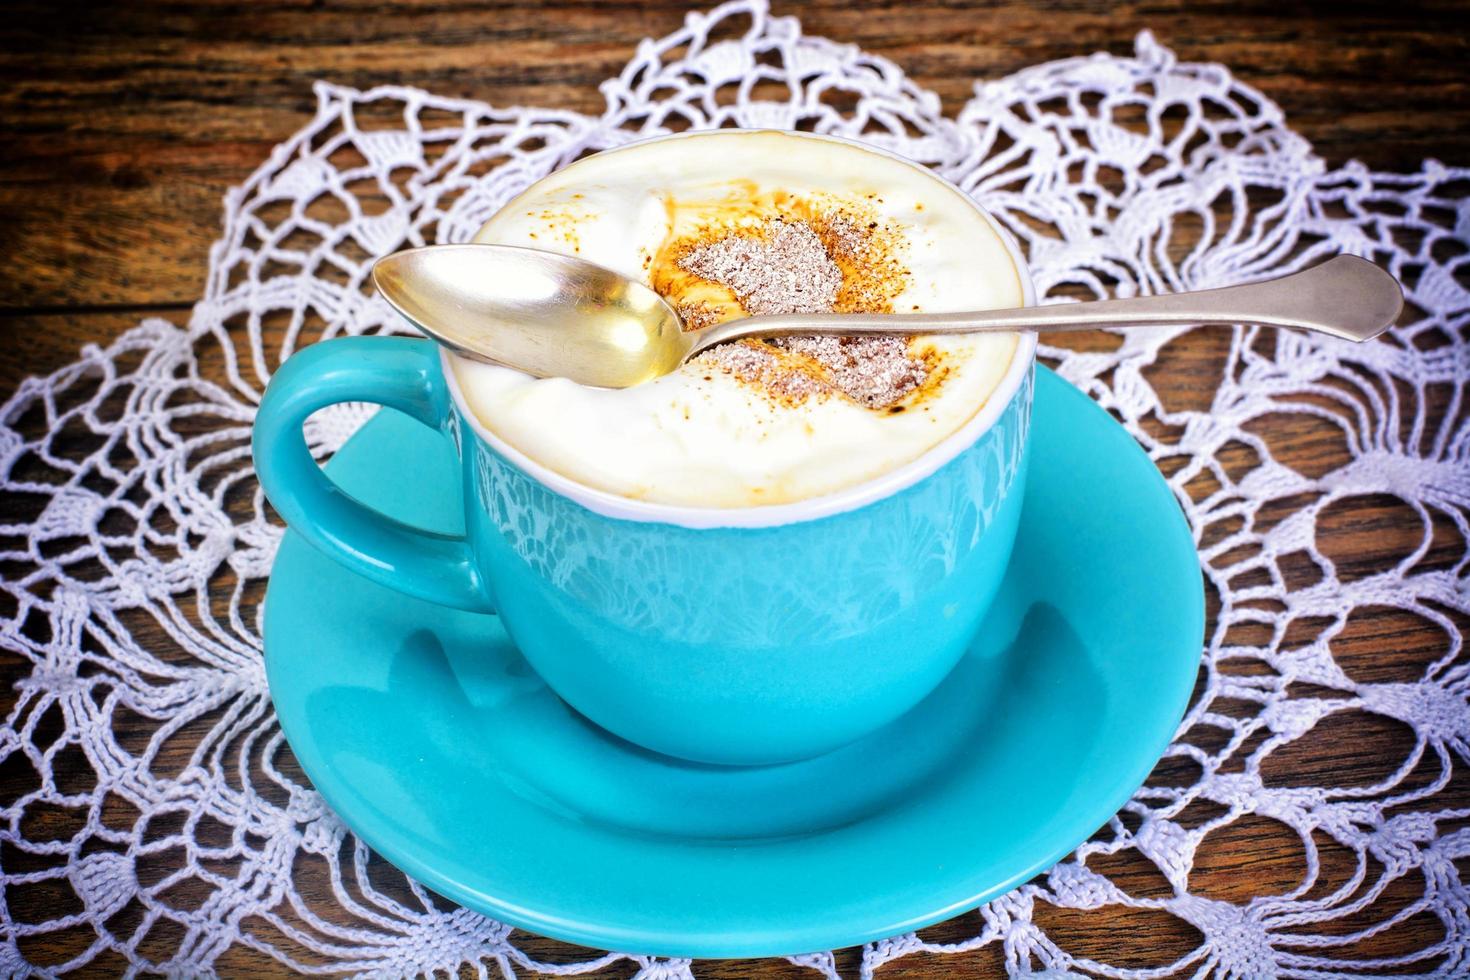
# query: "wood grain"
{"points": [[126, 123], [126, 129]]}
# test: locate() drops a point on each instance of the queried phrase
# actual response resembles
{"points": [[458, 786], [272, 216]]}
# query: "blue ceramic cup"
{"points": [[723, 635]]}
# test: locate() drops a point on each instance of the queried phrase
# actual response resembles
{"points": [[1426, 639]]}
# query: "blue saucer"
{"points": [[435, 742]]}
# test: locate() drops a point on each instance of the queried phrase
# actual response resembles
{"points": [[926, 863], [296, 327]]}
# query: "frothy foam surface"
{"points": [[732, 223]]}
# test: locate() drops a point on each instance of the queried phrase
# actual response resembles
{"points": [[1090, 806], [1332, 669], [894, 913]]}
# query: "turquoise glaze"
{"points": [[431, 736], [720, 644]]}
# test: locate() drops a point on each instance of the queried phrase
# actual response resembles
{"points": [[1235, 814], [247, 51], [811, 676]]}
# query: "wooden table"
{"points": [[126, 123]]}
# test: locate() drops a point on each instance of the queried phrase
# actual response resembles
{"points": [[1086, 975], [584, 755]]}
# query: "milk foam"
{"points": [[703, 437]]}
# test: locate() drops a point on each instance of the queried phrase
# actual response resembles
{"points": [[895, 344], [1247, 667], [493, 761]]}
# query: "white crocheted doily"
{"points": [[134, 462]]}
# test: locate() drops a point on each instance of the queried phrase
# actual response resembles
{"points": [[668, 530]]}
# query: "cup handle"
{"points": [[397, 372]]}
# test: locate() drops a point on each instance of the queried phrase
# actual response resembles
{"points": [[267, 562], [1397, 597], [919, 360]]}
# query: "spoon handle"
{"points": [[1346, 297]]}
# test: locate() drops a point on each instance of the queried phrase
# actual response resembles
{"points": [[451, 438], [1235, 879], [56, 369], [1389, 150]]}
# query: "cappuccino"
{"points": [[730, 224]]}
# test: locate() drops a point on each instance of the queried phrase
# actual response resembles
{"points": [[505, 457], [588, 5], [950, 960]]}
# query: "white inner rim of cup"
{"points": [[772, 515]]}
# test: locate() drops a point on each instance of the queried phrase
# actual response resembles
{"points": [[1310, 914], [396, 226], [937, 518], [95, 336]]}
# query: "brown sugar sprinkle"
{"points": [[759, 364], [845, 237], [698, 315], [787, 267], [789, 273], [872, 371]]}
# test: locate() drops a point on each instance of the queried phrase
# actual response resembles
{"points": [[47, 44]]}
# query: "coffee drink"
{"points": [[729, 224]]}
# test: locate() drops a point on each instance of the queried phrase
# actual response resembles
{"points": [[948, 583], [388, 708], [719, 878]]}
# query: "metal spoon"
{"points": [[552, 315]]}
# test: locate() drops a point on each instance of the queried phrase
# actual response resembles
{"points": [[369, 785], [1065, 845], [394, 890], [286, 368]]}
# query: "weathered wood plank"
{"points": [[127, 128]]}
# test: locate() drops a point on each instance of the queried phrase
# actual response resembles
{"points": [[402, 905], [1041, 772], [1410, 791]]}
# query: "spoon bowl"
{"points": [[554, 315], [547, 314]]}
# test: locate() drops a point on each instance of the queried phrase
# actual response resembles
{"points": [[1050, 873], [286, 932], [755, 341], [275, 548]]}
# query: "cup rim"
{"points": [[854, 497]]}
